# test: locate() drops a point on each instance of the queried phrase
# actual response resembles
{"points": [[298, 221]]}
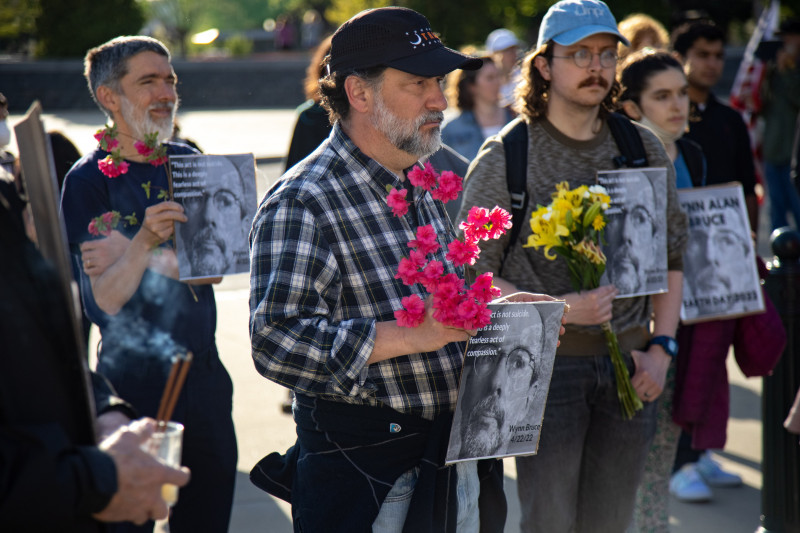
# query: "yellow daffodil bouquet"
{"points": [[573, 227]]}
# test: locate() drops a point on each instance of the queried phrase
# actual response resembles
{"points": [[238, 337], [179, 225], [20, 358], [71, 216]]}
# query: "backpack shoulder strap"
{"points": [[628, 141], [695, 161], [515, 145]]}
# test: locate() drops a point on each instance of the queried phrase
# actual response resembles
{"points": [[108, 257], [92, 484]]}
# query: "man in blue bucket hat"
{"points": [[591, 457]]}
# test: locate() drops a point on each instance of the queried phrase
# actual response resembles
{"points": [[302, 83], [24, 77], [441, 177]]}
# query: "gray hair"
{"points": [[333, 96], [108, 63]]}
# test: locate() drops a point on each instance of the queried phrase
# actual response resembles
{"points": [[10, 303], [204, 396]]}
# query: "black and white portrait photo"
{"points": [[720, 276], [504, 382], [218, 194], [636, 239]]}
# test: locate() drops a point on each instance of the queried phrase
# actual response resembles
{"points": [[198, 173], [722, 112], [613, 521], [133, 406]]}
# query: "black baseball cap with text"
{"points": [[395, 37]]}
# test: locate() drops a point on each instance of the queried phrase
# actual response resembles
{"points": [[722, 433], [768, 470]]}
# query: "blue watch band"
{"points": [[669, 344]]}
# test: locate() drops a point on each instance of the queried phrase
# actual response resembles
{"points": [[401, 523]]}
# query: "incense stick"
{"points": [[172, 390], [168, 387]]}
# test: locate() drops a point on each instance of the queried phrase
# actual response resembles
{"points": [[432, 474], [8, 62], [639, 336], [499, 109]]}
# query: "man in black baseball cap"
{"points": [[374, 401], [394, 37], [388, 51]]}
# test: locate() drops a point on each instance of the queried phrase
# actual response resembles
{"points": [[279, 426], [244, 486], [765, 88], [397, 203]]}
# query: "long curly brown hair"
{"points": [[532, 91]]}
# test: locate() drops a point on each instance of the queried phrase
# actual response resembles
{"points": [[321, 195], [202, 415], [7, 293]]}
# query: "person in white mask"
{"points": [[7, 159]]}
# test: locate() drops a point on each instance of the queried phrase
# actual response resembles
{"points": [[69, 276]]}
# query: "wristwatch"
{"points": [[669, 344]]}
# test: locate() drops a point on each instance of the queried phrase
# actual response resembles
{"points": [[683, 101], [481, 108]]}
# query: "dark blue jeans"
{"points": [[590, 460], [783, 197]]}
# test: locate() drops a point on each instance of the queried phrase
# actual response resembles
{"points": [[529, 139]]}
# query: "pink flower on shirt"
{"points": [[449, 187], [425, 241], [397, 201], [111, 168]]}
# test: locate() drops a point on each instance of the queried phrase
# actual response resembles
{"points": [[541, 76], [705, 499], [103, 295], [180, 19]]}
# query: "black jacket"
{"points": [[347, 457], [52, 475]]}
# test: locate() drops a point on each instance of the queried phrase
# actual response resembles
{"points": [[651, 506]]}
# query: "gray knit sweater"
{"points": [[554, 157]]}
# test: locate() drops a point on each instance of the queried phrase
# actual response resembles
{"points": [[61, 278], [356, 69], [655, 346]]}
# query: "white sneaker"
{"points": [[713, 474], [687, 485]]}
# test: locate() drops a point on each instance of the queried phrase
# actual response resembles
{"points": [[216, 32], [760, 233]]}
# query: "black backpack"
{"points": [[515, 144]]}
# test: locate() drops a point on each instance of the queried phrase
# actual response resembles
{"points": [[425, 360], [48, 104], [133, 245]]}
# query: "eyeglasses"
{"points": [[224, 201], [519, 362], [638, 216], [583, 58]]}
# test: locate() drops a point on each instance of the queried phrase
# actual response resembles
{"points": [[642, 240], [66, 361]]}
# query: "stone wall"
{"points": [[59, 85], [273, 82]]}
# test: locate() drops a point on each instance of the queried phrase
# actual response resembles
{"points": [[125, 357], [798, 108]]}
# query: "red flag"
{"points": [[745, 93]]}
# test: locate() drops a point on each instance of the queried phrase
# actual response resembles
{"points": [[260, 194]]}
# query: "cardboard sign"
{"points": [[720, 276], [504, 382], [218, 195], [636, 234]]}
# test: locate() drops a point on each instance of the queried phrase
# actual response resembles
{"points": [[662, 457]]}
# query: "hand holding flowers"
{"points": [[453, 303], [573, 227]]}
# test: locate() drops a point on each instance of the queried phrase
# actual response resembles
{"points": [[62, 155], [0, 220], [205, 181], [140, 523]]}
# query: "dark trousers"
{"points": [[209, 443], [686, 454]]}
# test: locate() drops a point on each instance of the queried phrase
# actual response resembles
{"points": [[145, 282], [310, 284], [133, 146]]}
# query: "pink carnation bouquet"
{"points": [[454, 303]]}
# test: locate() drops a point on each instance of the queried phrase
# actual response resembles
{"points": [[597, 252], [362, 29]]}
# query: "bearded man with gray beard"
{"points": [[119, 229], [373, 400]]}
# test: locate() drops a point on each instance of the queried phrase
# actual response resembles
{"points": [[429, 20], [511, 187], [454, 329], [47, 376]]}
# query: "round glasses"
{"points": [[519, 363], [583, 58], [638, 216], [224, 201]]}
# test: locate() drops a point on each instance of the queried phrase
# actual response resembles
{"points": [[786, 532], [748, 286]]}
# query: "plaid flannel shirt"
{"points": [[324, 252]]}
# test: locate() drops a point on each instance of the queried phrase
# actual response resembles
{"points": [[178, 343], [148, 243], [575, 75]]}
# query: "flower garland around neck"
{"points": [[454, 304], [114, 165]]}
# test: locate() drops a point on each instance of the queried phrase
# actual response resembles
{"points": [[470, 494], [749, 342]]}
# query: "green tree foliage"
{"points": [[341, 10], [233, 15], [172, 21], [18, 18], [459, 22], [68, 28], [462, 22], [17, 23], [239, 45]]}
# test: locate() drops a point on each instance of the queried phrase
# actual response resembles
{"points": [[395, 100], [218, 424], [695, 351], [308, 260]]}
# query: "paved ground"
{"points": [[262, 428]]}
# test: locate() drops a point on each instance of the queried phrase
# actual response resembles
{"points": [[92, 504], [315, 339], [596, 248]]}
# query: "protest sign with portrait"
{"points": [[636, 238], [218, 195], [720, 276], [504, 383]]}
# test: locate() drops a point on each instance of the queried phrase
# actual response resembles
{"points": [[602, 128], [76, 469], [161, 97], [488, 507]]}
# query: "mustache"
{"points": [[431, 116], [594, 80], [707, 279], [625, 256], [170, 106], [488, 406], [207, 234]]}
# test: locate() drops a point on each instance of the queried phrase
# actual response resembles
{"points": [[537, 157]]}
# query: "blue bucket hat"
{"points": [[569, 21]]}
